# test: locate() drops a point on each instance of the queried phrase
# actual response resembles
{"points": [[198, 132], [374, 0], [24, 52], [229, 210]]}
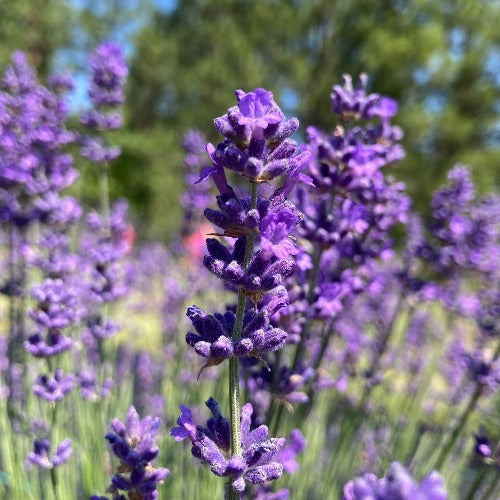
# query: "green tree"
{"points": [[438, 59], [38, 27]]}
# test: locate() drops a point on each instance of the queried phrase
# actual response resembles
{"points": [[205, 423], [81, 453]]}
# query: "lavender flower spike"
{"points": [[133, 443], [40, 454], [258, 462], [397, 483]]}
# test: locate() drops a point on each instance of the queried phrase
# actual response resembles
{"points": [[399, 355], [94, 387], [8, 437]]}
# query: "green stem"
{"points": [[446, 448], [325, 341], [274, 384], [104, 194], [488, 494], [299, 350], [234, 374], [375, 365], [53, 471], [477, 483]]}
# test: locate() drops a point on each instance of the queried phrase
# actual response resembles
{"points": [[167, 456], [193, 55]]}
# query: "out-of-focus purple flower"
{"points": [[91, 388], [106, 92], [351, 103], [55, 305], [108, 74], [396, 484], [288, 455], [467, 230], [485, 372], [133, 442], [53, 388], [54, 343], [482, 446], [33, 135], [96, 151], [258, 461], [287, 387], [41, 451]]}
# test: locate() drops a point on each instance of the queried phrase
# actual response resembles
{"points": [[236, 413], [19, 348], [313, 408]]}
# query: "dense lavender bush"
{"points": [[363, 332]]}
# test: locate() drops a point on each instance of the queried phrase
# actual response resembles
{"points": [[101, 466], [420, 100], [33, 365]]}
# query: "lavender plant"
{"points": [[257, 147]]}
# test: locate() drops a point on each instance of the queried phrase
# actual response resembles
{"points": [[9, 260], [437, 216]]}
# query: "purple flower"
{"points": [[186, 426], [54, 343], [396, 485], [33, 136], [53, 389], [275, 230], [257, 463], [213, 338], [257, 141], [41, 450], [258, 109], [109, 72], [482, 446], [133, 443], [287, 456], [264, 272]]}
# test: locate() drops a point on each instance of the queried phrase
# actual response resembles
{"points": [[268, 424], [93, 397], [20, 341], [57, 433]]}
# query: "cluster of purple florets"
{"points": [[133, 444]]}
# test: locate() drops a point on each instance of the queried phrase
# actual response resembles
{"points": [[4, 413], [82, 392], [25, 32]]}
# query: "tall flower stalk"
{"points": [[258, 148]]}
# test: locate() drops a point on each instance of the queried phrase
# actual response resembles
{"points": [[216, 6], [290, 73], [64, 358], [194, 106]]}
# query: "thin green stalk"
{"points": [[53, 471], [488, 494], [477, 482], [325, 341], [459, 427], [274, 384], [234, 374], [104, 193], [313, 279], [375, 365]]}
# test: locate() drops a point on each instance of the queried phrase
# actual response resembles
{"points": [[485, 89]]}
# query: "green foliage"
{"points": [[39, 27], [440, 60], [436, 59]]}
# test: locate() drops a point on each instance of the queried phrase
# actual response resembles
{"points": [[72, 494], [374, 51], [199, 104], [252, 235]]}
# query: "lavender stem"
{"points": [[234, 374]]}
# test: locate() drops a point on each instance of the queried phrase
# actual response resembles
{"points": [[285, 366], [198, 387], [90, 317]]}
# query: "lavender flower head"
{"points": [[258, 462], [257, 142], [41, 451], [106, 92], [54, 388], [109, 72], [133, 443], [397, 484], [33, 135]]}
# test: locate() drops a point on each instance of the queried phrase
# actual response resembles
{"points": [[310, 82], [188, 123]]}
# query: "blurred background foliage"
{"points": [[440, 60]]}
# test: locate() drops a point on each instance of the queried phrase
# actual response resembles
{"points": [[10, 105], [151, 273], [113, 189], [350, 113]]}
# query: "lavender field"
{"points": [[306, 334]]}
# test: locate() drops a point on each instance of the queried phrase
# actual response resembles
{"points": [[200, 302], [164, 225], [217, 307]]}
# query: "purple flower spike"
{"points": [[53, 389], [257, 144], [213, 338], [397, 483], [109, 72], [288, 454], [41, 450], [133, 443], [258, 462]]}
